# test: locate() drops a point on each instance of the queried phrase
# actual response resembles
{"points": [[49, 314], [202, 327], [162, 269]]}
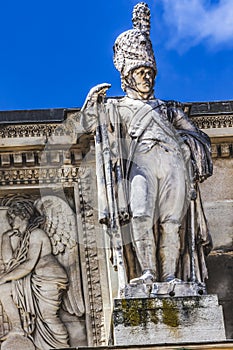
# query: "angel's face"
{"points": [[18, 223]]}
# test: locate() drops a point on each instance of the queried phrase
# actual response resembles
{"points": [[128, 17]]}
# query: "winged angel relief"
{"points": [[40, 272]]}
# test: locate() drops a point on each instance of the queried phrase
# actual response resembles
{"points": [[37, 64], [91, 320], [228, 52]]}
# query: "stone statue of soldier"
{"points": [[156, 158]]}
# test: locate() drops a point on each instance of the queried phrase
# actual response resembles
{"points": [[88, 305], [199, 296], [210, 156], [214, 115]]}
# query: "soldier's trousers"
{"points": [[159, 187]]}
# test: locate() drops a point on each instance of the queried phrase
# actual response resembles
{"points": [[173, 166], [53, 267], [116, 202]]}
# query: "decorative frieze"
{"points": [[213, 121], [29, 130], [38, 175]]}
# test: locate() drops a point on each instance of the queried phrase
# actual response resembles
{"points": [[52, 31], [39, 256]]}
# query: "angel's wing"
{"points": [[60, 225]]}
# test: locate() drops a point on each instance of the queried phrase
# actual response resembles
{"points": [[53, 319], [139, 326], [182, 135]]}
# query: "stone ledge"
{"points": [[185, 346]]}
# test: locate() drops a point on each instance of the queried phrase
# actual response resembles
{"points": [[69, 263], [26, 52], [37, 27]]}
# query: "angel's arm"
{"points": [[7, 251], [27, 266]]}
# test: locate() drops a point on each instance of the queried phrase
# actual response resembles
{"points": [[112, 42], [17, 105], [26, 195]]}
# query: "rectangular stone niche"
{"points": [[168, 320]]}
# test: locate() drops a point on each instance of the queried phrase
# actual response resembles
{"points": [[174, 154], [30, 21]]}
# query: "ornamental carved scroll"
{"points": [[39, 271]]}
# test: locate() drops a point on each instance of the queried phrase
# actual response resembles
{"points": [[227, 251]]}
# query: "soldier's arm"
{"points": [[89, 111], [179, 119]]}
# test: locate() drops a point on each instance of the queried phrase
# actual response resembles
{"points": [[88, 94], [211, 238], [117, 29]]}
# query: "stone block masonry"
{"points": [[168, 320]]}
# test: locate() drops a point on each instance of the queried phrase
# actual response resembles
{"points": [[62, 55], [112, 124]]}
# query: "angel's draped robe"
{"points": [[38, 298]]}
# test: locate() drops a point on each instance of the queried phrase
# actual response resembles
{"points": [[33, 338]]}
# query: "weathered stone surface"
{"points": [[168, 320], [217, 196], [220, 219], [17, 342], [220, 281]]}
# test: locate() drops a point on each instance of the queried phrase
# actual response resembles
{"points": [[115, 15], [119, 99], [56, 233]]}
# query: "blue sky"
{"points": [[54, 51]]}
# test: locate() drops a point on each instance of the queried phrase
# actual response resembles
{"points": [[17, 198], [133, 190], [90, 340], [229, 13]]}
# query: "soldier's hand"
{"points": [[96, 95]]}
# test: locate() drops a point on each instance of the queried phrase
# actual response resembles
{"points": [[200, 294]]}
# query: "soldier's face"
{"points": [[143, 78]]}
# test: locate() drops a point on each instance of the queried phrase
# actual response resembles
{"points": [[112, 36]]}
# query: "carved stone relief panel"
{"points": [[48, 170], [41, 285]]}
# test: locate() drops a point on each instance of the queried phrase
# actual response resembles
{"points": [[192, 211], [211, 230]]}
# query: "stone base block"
{"points": [[168, 320]]}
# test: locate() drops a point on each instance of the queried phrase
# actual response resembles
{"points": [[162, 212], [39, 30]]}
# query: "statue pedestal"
{"points": [[163, 289], [168, 320]]}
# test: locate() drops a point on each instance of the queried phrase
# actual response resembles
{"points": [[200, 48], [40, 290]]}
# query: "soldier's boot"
{"points": [[169, 251], [145, 249]]}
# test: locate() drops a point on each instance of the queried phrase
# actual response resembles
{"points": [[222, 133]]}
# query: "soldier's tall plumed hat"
{"points": [[133, 48]]}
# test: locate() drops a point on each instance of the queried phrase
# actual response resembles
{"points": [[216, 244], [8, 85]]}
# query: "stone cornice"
{"points": [[208, 108], [22, 144]]}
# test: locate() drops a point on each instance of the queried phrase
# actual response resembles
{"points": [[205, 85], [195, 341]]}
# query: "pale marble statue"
{"points": [[40, 272], [150, 158]]}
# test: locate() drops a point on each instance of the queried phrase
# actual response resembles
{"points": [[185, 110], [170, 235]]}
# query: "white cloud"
{"points": [[193, 21]]}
